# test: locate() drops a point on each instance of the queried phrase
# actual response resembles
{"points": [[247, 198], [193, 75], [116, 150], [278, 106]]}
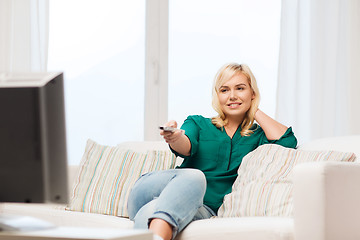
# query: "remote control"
{"points": [[168, 129]]}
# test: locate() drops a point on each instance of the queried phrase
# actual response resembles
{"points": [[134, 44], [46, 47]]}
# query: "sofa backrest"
{"points": [[343, 144], [143, 146]]}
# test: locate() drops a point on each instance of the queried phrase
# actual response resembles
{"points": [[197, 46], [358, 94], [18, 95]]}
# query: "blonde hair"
{"points": [[223, 75]]}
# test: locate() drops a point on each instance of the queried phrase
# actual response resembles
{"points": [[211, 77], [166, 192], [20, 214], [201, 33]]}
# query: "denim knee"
{"points": [[141, 219], [197, 178]]}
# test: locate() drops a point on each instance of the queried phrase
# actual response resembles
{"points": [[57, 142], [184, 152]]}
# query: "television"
{"points": [[33, 157]]}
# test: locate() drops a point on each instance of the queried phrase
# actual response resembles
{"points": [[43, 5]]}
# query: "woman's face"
{"points": [[235, 97]]}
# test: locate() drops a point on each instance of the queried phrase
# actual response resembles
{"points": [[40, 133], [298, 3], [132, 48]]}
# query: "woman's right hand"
{"points": [[176, 139], [171, 137]]}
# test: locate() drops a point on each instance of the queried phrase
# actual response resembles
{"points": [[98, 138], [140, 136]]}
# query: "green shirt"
{"points": [[218, 156]]}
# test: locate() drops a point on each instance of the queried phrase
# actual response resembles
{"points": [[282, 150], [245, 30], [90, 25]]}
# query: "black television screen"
{"points": [[33, 157]]}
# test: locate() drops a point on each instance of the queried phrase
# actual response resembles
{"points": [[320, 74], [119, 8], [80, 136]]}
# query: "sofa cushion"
{"points": [[107, 174], [245, 228], [264, 183]]}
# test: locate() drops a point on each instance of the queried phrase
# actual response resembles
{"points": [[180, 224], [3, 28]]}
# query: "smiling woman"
{"points": [[235, 98]]}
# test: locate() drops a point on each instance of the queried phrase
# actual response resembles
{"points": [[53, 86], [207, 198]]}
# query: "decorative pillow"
{"points": [[264, 183], [107, 175]]}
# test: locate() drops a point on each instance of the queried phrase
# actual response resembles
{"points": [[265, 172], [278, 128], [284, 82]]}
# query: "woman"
{"points": [[166, 201]]}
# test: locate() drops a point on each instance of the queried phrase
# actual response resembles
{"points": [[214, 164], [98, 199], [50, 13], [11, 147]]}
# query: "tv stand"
{"points": [[75, 233], [18, 223]]}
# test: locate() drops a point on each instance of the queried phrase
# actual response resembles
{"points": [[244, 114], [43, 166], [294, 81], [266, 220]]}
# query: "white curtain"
{"points": [[24, 35], [319, 73]]}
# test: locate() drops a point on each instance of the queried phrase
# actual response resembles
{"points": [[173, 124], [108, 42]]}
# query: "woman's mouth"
{"points": [[234, 105]]}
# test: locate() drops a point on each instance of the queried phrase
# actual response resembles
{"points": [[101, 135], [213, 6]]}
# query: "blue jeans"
{"points": [[175, 196]]}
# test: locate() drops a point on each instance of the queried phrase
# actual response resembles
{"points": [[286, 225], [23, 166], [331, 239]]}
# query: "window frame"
{"points": [[156, 67]]}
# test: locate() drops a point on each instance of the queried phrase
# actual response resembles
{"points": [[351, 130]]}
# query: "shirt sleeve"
{"points": [[288, 139], [192, 130]]}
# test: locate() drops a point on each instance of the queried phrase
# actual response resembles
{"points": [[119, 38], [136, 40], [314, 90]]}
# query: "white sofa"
{"points": [[326, 205]]}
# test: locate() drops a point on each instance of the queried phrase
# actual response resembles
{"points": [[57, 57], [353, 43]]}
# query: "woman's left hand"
{"points": [[272, 128]]}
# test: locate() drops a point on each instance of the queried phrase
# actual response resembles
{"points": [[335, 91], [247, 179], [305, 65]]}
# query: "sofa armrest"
{"points": [[327, 201]]}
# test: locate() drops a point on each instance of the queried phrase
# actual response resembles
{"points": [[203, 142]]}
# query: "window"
{"points": [[99, 45], [205, 34]]}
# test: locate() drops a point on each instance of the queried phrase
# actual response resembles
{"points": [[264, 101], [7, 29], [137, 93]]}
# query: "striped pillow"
{"points": [[264, 187], [107, 175]]}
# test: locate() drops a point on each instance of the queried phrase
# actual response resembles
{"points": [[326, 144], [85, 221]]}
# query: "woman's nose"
{"points": [[233, 95]]}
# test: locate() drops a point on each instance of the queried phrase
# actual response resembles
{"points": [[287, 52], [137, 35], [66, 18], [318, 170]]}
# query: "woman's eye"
{"points": [[223, 90]]}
